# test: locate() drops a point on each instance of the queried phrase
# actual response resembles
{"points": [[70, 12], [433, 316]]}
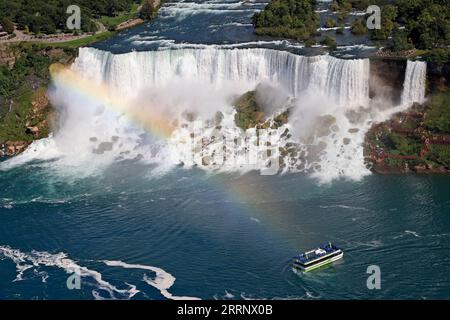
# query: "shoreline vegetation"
{"points": [[21, 21], [408, 28], [295, 19], [417, 140], [25, 111]]}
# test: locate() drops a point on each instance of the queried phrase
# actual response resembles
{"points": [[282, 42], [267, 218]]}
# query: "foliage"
{"points": [[330, 43], [18, 86], [359, 28], [340, 30], [330, 23], [148, 9], [7, 24], [438, 118], [439, 57], [287, 18], [310, 42], [427, 22], [49, 16], [248, 112], [388, 15], [112, 22], [440, 154], [400, 42]]}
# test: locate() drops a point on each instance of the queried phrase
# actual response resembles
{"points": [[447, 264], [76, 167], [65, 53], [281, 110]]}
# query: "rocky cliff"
{"points": [[25, 110]]}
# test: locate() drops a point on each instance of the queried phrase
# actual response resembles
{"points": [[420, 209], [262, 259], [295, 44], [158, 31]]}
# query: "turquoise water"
{"points": [[224, 236]]}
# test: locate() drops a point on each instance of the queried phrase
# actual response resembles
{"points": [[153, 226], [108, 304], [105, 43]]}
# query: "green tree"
{"points": [[359, 28], [330, 23], [7, 24], [388, 15], [148, 9], [330, 43], [400, 42]]}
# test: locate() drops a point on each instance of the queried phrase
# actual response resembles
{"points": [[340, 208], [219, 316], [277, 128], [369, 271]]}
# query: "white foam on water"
{"points": [[163, 280], [35, 259]]}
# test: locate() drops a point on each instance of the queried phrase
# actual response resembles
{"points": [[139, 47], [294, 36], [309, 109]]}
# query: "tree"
{"points": [[358, 28], [400, 42], [330, 43], [330, 23], [294, 19], [7, 24], [148, 9], [388, 15]]}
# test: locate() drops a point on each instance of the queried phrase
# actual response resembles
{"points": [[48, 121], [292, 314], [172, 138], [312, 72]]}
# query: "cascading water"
{"points": [[415, 83], [330, 109], [343, 81], [320, 85]]}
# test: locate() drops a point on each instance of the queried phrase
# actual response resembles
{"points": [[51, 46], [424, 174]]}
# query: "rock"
{"points": [[12, 148], [103, 147], [206, 161], [248, 112], [325, 125], [33, 131], [218, 118]]}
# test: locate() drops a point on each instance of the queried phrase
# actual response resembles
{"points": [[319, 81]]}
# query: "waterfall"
{"points": [[415, 83], [136, 94], [346, 82]]}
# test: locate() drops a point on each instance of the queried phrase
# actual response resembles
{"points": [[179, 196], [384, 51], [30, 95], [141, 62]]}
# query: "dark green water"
{"points": [[223, 236]]}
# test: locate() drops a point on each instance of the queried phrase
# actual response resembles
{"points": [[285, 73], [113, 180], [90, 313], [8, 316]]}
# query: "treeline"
{"points": [[287, 18], [49, 16], [405, 24]]}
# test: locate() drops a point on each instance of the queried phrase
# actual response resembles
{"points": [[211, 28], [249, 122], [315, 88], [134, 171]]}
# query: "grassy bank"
{"points": [[82, 42], [111, 23]]}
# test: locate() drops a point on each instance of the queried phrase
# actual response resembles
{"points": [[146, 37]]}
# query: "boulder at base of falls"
{"points": [[250, 113]]}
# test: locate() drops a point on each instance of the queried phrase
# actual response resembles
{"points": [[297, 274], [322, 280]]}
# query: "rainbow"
{"points": [[153, 122], [258, 204]]}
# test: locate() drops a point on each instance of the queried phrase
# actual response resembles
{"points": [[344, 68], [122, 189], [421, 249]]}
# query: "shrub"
{"points": [[359, 28]]}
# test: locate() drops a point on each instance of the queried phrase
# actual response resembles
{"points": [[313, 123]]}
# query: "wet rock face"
{"points": [[386, 79], [12, 148], [7, 56]]}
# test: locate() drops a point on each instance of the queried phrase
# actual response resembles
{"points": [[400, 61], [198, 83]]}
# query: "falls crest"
{"points": [[344, 81]]}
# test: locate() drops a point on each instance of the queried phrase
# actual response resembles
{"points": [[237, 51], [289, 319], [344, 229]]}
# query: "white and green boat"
{"points": [[319, 257]]}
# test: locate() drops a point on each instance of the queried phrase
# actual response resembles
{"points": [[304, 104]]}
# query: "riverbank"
{"points": [[26, 114], [25, 111], [417, 140]]}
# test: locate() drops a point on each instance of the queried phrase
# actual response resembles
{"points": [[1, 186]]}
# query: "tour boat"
{"points": [[319, 257]]}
